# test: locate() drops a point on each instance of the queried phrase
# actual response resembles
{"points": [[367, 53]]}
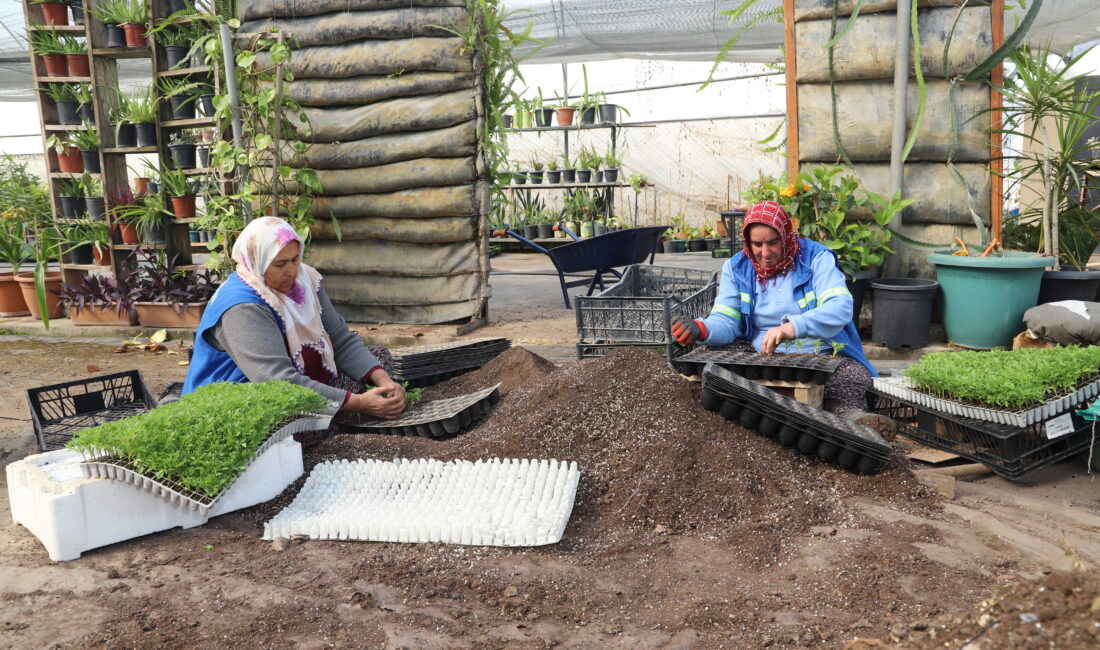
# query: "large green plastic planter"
{"points": [[984, 298]]}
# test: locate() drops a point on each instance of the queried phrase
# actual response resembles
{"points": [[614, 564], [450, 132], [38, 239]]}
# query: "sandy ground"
{"points": [[879, 563]]}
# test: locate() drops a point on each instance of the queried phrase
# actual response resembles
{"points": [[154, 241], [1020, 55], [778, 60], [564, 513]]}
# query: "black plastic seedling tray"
{"points": [[1009, 451], [815, 369], [58, 411], [807, 428], [436, 419]]}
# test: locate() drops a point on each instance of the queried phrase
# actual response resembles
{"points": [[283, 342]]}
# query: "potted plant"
{"points": [[545, 228], [69, 160], [112, 13], [519, 177], [204, 94], [83, 237], [77, 7], [76, 56], [536, 171], [140, 109], [177, 44], [543, 115], [54, 13], [182, 146], [24, 201], [568, 171], [587, 160], [14, 251], [165, 296], [70, 193], [85, 109], [180, 95], [49, 45], [43, 243], [94, 202], [122, 203], [611, 167], [178, 188], [589, 102], [609, 113], [146, 214], [552, 173], [98, 300], [87, 141], [133, 16], [564, 112], [64, 99], [125, 132]]}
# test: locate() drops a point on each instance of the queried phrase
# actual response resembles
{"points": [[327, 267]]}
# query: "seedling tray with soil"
{"points": [[807, 428], [435, 419], [171, 490], [805, 368], [427, 365], [1009, 451]]}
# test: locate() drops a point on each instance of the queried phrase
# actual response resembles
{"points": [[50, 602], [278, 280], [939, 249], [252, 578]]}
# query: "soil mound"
{"points": [[512, 368], [649, 454]]}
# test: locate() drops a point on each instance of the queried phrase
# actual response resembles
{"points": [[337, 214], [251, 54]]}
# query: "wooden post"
{"points": [[996, 166], [792, 88]]}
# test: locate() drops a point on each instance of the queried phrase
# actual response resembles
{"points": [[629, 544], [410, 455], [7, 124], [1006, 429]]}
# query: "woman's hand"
{"points": [[381, 401], [777, 335]]}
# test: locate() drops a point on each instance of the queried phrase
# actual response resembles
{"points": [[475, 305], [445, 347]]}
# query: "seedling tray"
{"points": [[431, 380], [809, 429], [435, 419], [1009, 451], [901, 387], [60, 410], [428, 358], [420, 352], [120, 470], [639, 309], [814, 369]]}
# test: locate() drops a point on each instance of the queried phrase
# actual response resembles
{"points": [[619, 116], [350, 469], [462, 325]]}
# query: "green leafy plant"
{"points": [[83, 93], [140, 107], [23, 201], [113, 12], [175, 182], [145, 213], [48, 41], [60, 92], [1012, 379], [204, 440], [134, 12], [70, 45], [86, 140], [611, 160], [70, 187], [637, 182], [86, 232], [587, 158]]}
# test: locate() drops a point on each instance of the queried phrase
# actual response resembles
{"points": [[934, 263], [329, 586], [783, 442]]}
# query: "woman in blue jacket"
{"points": [[783, 287]]}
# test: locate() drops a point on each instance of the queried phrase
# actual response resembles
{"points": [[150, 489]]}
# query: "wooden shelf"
{"points": [[184, 20], [579, 127], [186, 124], [65, 127], [130, 247], [129, 150], [124, 52], [64, 80], [200, 171], [60, 29], [553, 186], [72, 175], [86, 267], [183, 72]]}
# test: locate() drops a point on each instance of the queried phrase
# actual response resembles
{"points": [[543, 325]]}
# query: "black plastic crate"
{"points": [[783, 367], [60, 410], [1009, 451], [639, 309]]}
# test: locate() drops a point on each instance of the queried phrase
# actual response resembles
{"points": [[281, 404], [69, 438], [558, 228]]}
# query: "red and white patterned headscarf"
{"points": [[300, 308], [773, 215]]}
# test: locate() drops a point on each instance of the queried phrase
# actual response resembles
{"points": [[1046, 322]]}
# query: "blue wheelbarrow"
{"points": [[599, 255]]}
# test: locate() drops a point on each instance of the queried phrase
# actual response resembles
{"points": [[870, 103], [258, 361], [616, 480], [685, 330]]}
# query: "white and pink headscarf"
{"points": [[300, 309]]}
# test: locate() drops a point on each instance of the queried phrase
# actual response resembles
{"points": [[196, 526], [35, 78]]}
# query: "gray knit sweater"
{"points": [[249, 333]]}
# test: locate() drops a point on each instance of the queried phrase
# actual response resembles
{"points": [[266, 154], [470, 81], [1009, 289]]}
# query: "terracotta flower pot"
{"points": [[78, 65], [11, 298], [92, 316], [162, 314], [72, 161], [101, 255], [135, 35], [183, 206], [128, 232], [55, 13], [53, 303], [56, 65], [141, 185], [564, 115]]}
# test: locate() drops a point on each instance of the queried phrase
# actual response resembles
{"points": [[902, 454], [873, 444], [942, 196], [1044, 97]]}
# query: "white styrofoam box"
{"points": [[70, 514], [493, 503]]}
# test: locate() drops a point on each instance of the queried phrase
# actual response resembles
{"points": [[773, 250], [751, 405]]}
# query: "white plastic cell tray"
{"points": [[492, 503], [70, 514], [902, 387]]}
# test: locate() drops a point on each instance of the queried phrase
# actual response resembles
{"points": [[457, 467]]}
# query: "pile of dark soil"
{"points": [[649, 454], [1060, 610]]}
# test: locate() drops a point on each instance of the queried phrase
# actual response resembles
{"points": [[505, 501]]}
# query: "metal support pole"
{"points": [[901, 100], [565, 96]]}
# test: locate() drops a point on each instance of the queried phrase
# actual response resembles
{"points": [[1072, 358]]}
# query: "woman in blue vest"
{"points": [[783, 287], [272, 320]]}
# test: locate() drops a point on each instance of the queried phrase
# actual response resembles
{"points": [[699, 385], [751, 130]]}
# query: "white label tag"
{"points": [[1059, 426]]}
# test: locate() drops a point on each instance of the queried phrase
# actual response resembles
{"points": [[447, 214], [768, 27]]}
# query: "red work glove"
{"points": [[687, 332]]}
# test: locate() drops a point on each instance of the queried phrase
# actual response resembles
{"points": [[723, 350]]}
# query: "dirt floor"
{"points": [[688, 531]]}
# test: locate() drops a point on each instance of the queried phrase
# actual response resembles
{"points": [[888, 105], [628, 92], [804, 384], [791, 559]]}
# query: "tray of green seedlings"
{"points": [[1018, 388], [805, 368], [190, 452], [430, 419], [807, 428]]}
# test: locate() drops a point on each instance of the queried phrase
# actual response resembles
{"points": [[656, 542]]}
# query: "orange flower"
{"points": [[788, 191]]}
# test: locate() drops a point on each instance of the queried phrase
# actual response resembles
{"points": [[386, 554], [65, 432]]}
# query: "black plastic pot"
{"points": [[553, 176], [72, 206], [153, 235], [588, 115], [206, 104], [597, 176], [546, 231], [154, 187], [91, 161], [544, 116], [531, 232], [78, 12], [569, 176], [520, 178], [95, 207], [599, 229], [609, 113], [116, 37], [183, 155], [85, 113], [857, 286], [536, 177], [127, 135], [176, 5], [669, 246], [182, 108], [611, 175], [1068, 283], [507, 121], [175, 54], [202, 152], [146, 134], [584, 175], [711, 243], [697, 245], [67, 112], [902, 311], [82, 254]]}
